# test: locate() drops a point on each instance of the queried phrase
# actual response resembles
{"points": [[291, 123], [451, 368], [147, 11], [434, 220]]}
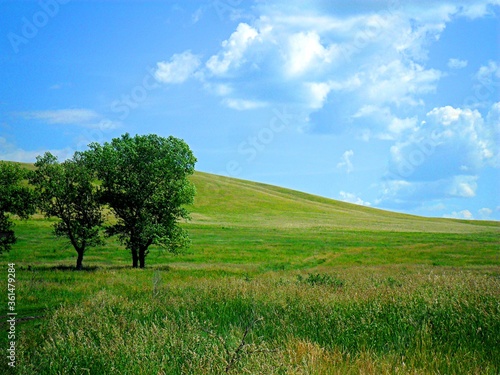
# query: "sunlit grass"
{"points": [[373, 319]]}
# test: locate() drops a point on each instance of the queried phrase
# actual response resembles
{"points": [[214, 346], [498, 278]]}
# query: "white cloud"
{"points": [[308, 57], [83, 117], [464, 214], [305, 52], [468, 128], [180, 67], [305, 55], [475, 10], [487, 78], [196, 16], [450, 142], [398, 125], [233, 50], [242, 104], [351, 83], [463, 186], [399, 82], [447, 115], [457, 63], [10, 152], [383, 124], [435, 207], [105, 124], [485, 213], [352, 198], [346, 161], [318, 93], [63, 116], [405, 193]]}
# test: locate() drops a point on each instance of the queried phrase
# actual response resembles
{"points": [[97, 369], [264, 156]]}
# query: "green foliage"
{"points": [[144, 181], [15, 198], [65, 190], [7, 236]]}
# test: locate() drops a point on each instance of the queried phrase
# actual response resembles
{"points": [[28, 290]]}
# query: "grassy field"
{"points": [[275, 282]]}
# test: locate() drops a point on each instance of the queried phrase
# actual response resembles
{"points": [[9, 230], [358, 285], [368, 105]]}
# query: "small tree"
{"points": [[66, 191], [144, 181], [15, 198]]}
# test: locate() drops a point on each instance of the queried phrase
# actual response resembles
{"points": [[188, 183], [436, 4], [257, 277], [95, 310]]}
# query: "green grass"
{"points": [[300, 284]]}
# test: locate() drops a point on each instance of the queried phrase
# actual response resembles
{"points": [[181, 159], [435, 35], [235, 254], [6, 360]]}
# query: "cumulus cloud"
{"points": [[485, 88], [399, 82], [488, 73], [318, 92], [305, 52], [399, 125], [233, 50], [448, 115], [346, 161], [242, 104], [463, 186], [457, 63], [382, 123], [468, 128], [287, 47], [305, 57], [449, 142], [412, 194], [464, 214], [442, 157], [180, 67], [352, 198], [485, 213]]}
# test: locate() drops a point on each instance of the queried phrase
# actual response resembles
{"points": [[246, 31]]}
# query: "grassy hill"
{"points": [[275, 282], [231, 201], [252, 226]]}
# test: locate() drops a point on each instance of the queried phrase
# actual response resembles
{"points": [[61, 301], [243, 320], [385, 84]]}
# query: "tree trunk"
{"points": [[135, 258], [143, 251], [142, 257], [79, 260]]}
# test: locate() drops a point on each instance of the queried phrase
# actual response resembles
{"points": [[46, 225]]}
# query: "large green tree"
{"points": [[144, 180], [15, 198], [66, 191]]}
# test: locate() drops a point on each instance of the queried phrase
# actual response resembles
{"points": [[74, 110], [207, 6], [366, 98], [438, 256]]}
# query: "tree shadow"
{"points": [[70, 268], [59, 267]]}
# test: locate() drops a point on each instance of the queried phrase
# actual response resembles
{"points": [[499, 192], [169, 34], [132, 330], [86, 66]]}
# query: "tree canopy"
{"points": [[15, 198], [144, 180], [66, 191]]}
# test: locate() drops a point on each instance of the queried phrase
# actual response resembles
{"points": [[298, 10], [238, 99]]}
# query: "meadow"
{"points": [[275, 282]]}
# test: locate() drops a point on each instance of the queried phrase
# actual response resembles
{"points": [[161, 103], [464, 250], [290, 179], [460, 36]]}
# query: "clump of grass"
{"points": [[321, 279]]}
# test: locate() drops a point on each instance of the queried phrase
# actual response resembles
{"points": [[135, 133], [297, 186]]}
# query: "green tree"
{"points": [[15, 198], [144, 180], [66, 191]]}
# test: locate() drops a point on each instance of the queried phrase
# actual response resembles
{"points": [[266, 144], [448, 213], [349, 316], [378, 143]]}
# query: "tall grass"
{"points": [[361, 320]]}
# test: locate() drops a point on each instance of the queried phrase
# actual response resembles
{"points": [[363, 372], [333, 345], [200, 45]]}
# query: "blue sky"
{"points": [[391, 104]]}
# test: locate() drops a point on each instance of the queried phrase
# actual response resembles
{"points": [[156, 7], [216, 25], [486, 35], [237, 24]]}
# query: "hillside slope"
{"points": [[233, 202], [225, 201]]}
